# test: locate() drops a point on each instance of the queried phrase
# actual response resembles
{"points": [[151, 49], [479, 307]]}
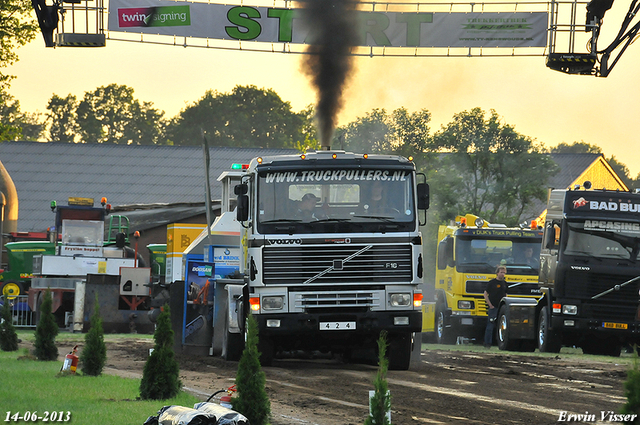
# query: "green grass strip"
{"points": [[29, 385]]}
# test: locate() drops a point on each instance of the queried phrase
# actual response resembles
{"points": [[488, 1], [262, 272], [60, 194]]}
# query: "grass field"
{"points": [[28, 385]]}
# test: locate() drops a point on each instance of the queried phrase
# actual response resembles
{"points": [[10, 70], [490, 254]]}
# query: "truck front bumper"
{"points": [[317, 330], [581, 327]]}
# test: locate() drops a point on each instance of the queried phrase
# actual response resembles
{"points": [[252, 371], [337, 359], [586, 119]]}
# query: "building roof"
{"points": [[126, 175]]}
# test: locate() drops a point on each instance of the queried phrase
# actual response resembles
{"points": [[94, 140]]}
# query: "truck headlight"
{"points": [[570, 309], [466, 305], [272, 303], [400, 300]]}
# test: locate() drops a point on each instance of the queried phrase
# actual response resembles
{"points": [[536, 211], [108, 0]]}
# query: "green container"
{"points": [[158, 256]]}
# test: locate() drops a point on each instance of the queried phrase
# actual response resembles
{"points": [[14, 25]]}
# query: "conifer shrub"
{"points": [[160, 377], [8, 335], [46, 330], [94, 352], [381, 400], [252, 400], [632, 390]]}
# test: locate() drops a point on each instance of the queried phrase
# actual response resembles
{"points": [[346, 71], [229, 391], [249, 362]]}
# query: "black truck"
{"points": [[589, 277]]}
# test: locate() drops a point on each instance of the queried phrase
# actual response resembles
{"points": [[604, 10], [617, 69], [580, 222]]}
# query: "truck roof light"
{"points": [[242, 166], [103, 201], [534, 224], [463, 222], [54, 204], [303, 156], [410, 158], [365, 156], [334, 156]]}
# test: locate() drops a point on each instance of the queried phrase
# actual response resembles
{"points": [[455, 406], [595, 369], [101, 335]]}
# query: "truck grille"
{"points": [[319, 300], [619, 305], [344, 264]]}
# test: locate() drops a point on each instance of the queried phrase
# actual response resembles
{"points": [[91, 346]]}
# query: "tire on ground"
{"points": [[505, 342], [399, 351], [548, 341], [444, 334]]}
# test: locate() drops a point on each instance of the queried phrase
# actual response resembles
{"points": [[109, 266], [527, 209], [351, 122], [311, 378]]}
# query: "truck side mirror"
{"points": [[242, 208], [423, 196], [550, 236]]}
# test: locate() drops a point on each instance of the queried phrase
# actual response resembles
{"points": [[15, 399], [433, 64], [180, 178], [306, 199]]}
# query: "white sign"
{"points": [[375, 29]]}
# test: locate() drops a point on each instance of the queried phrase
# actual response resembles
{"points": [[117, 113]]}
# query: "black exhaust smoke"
{"points": [[332, 33]]}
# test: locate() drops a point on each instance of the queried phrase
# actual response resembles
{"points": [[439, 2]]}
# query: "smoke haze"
{"points": [[331, 26]]}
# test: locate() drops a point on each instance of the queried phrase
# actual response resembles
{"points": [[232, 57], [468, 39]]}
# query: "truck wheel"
{"points": [[232, 343], [505, 342], [399, 351], [12, 289], [444, 335], [548, 341]]}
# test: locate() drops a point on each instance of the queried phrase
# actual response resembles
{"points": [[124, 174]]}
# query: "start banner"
{"points": [[285, 25]]}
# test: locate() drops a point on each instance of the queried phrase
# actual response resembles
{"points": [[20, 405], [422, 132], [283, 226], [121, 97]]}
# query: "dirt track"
{"points": [[468, 386]]}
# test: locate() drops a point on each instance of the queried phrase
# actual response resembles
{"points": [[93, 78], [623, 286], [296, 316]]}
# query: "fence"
{"points": [[22, 315]]}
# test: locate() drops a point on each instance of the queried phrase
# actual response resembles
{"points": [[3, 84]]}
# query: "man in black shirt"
{"points": [[496, 289]]}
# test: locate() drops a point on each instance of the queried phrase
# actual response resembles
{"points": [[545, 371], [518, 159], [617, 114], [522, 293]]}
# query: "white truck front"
{"points": [[334, 277]]}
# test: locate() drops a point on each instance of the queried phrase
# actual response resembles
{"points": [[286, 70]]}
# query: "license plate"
{"points": [[337, 326], [611, 325]]}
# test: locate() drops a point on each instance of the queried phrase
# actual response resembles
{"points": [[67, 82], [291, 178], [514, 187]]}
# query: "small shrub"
{"points": [[94, 353], [46, 331], [381, 401], [160, 377], [8, 335], [252, 400], [632, 390]]}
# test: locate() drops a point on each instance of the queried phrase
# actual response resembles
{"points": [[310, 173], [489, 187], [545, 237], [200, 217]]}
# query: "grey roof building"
{"points": [[157, 185]]}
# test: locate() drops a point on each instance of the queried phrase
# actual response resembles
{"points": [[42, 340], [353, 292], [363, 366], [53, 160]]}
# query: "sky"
{"points": [[546, 105]]}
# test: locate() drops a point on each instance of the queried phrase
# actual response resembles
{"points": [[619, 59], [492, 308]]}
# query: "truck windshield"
{"points": [[335, 200], [521, 255], [603, 239]]}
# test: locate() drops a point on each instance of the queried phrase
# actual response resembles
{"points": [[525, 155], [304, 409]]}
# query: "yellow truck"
{"points": [[468, 253]]}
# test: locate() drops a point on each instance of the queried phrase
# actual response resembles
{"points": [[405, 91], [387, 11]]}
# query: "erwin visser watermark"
{"points": [[604, 415]]}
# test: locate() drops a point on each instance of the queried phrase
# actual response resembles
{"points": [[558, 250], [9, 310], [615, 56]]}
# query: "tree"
{"points": [[381, 401], [160, 377], [8, 335], [246, 117], [632, 391], [401, 133], [110, 114], [576, 147], [14, 124], [489, 169], [252, 400], [63, 127], [46, 330], [17, 28], [94, 353]]}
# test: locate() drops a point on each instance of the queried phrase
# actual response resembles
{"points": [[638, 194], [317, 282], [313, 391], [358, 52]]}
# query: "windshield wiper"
{"points": [[339, 220], [282, 220], [586, 254], [376, 217]]}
